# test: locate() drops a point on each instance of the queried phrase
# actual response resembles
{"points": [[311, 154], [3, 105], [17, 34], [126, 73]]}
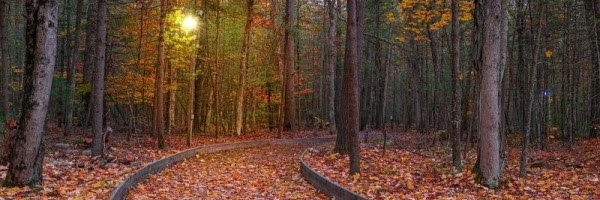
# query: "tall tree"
{"points": [[71, 73], [330, 65], [27, 153], [97, 94], [350, 87], [4, 63], [289, 106], [243, 66], [489, 169], [160, 76], [456, 90], [532, 71]]}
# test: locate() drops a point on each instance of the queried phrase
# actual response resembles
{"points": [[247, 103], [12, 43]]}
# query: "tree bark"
{"points": [[289, 111], [98, 81], [489, 158], [350, 88], [160, 76], [27, 153], [4, 63], [456, 89], [243, 66], [331, 50]]}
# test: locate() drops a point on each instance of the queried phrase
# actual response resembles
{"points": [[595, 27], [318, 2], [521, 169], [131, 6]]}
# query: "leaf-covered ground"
{"points": [[555, 173], [68, 174], [268, 172]]}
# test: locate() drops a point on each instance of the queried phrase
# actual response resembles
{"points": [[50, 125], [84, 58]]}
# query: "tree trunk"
{"points": [[171, 96], [27, 153], [4, 64], [71, 73], [331, 66], [98, 82], [350, 88], [489, 165], [531, 97], [160, 76], [289, 111], [456, 89], [243, 66]]}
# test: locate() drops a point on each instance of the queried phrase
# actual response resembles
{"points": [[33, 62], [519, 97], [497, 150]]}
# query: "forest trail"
{"points": [[266, 172]]}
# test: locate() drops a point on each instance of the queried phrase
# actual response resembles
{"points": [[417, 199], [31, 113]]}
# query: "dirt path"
{"points": [[269, 172]]}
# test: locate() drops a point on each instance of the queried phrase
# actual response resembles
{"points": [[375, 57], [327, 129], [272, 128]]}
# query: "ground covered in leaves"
{"points": [[555, 173], [70, 173], [268, 172]]}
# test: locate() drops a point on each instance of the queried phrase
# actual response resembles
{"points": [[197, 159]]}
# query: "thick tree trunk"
{"points": [[160, 76], [456, 89], [98, 83], [350, 88], [489, 147], [289, 111], [71, 73], [243, 66], [27, 153], [4, 63]]}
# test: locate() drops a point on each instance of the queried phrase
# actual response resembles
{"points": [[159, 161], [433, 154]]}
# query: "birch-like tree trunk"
{"points": [[27, 153], [489, 152]]}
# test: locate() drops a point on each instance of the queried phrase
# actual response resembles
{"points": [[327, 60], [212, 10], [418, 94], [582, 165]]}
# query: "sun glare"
{"points": [[189, 23]]}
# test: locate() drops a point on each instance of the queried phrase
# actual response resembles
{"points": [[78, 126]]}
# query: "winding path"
{"points": [[120, 192], [266, 172]]}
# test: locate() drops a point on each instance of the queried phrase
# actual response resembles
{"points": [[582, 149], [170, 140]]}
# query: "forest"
{"points": [[299, 99]]}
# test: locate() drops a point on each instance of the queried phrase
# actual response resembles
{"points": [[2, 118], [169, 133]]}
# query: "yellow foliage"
{"points": [[417, 15]]}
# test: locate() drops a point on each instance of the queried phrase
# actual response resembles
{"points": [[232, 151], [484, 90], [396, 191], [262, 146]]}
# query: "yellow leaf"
{"points": [[410, 185], [356, 176]]}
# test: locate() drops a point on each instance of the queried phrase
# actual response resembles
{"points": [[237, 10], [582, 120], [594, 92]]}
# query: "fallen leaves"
{"points": [[69, 174], [400, 174], [268, 172]]}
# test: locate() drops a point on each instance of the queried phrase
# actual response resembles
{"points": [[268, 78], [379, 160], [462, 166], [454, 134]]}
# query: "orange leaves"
{"points": [[401, 174], [269, 172]]}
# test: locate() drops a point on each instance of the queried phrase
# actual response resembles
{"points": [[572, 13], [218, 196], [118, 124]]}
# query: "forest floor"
{"points": [[69, 171], [408, 170], [268, 172]]}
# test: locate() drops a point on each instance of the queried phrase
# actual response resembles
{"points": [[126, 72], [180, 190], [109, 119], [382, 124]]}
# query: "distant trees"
{"points": [[27, 153]]}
